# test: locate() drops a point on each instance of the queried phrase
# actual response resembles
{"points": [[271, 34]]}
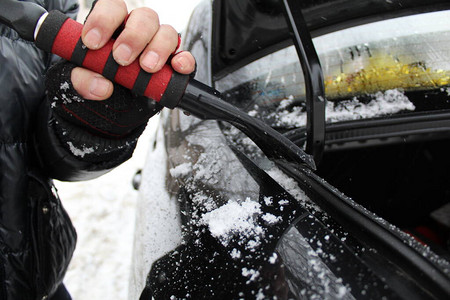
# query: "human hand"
{"points": [[142, 38]]}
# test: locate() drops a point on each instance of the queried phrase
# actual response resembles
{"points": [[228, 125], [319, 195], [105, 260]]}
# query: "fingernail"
{"points": [[93, 38], [181, 63], [122, 54], [99, 87], [150, 60]]}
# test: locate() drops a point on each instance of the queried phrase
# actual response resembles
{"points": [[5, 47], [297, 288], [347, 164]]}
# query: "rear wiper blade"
{"points": [[206, 103]]}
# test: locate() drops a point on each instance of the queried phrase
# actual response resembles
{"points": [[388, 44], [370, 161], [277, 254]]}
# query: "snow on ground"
{"points": [[103, 209]]}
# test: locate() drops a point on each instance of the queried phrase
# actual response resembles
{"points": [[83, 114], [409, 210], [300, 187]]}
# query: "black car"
{"points": [[364, 88]]}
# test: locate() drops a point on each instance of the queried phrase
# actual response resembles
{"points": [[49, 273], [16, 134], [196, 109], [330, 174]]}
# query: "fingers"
{"points": [[90, 85], [162, 45], [183, 62], [142, 38], [141, 27], [104, 19]]}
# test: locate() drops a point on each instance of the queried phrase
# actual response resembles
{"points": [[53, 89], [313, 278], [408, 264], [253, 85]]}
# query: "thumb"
{"points": [[91, 85]]}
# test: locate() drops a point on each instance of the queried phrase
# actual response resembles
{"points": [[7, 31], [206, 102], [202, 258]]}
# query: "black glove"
{"points": [[114, 118]]}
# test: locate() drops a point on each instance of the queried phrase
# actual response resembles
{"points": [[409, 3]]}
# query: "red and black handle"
{"points": [[56, 33], [61, 35]]}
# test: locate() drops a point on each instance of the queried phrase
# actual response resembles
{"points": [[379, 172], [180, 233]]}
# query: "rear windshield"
{"points": [[395, 66]]}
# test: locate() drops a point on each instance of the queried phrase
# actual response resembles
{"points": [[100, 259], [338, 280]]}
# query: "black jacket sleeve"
{"points": [[69, 7]]}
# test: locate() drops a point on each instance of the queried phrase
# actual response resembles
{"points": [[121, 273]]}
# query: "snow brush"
{"points": [[56, 33]]}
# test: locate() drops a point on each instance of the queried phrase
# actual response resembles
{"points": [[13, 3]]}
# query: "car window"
{"points": [[369, 71]]}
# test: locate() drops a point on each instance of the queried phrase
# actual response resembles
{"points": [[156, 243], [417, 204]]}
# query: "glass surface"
{"points": [[368, 71]]}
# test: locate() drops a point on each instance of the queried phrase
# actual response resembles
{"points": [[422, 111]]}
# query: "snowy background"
{"points": [[103, 210]]}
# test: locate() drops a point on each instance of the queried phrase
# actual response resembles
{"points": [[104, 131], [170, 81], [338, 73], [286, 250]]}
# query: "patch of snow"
{"points": [[235, 219], [273, 258], [204, 201], [293, 188], [80, 152], [383, 103], [181, 170], [235, 254], [268, 200], [271, 219], [64, 86], [251, 274], [260, 295]]}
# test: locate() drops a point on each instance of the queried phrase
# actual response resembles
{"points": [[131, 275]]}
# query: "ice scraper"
{"points": [[56, 33]]}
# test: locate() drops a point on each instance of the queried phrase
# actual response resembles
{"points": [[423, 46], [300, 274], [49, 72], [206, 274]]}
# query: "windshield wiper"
{"points": [[206, 103]]}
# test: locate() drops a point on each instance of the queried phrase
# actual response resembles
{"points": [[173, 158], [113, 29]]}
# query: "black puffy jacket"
{"points": [[36, 236]]}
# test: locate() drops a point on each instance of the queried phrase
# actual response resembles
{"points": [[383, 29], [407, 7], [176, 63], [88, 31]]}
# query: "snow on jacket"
{"points": [[37, 238]]}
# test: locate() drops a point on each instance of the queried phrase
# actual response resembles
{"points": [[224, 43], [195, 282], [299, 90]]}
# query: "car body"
{"points": [[218, 219]]}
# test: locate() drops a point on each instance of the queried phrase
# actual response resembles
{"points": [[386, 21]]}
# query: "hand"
{"points": [[141, 37]]}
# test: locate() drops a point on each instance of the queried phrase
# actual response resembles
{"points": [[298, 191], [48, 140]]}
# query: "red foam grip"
{"points": [[67, 38], [126, 76], [95, 60], [158, 83]]}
